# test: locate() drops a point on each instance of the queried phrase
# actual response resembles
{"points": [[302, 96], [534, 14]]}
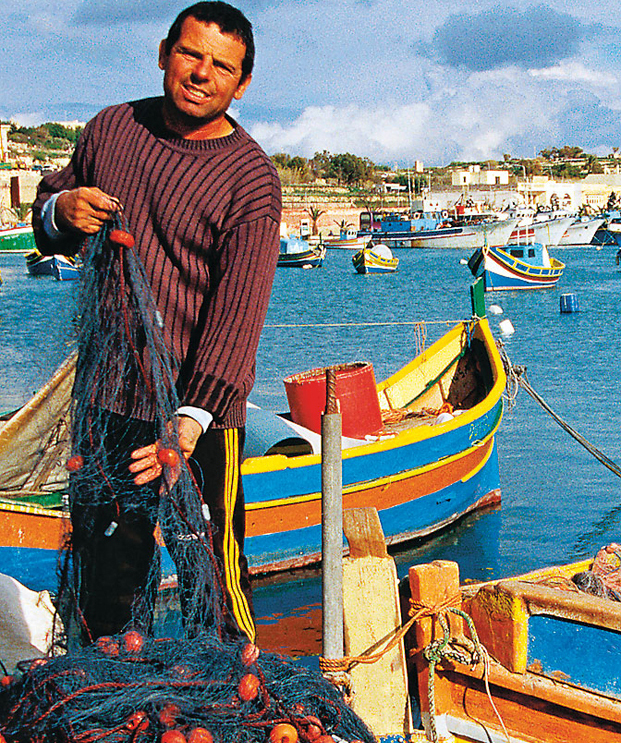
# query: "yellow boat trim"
{"points": [[36, 510], [385, 480]]}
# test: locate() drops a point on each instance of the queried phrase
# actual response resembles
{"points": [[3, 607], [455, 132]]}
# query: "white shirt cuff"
{"points": [[48, 217], [202, 417]]}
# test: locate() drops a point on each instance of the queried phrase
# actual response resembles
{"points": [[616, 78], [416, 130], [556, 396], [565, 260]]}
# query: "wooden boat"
{"points": [[62, 267], [375, 259], [516, 267], [16, 239], [298, 253], [347, 240], [39, 265], [550, 671], [424, 469], [65, 268]]}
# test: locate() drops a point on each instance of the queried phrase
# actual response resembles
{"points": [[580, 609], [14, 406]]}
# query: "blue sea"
{"points": [[559, 503]]}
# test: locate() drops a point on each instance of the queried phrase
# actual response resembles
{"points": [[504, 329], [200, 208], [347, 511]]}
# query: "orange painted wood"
{"points": [[284, 517]]}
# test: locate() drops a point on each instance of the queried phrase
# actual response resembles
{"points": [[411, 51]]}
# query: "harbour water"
{"points": [[558, 502]]}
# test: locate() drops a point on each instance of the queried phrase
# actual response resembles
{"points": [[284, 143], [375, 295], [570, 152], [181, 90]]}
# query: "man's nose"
{"points": [[203, 68]]}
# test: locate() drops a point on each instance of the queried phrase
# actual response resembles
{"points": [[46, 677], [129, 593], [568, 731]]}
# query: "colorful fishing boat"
{"points": [[425, 456], [516, 267], [62, 267], [65, 268], [542, 663], [296, 252], [16, 239], [375, 259], [348, 239]]}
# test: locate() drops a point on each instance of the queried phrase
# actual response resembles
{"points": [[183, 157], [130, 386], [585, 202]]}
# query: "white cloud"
{"points": [[576, 72]]}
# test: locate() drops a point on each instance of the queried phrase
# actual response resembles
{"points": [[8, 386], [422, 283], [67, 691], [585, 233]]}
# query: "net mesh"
{"points": [[101, 683]]}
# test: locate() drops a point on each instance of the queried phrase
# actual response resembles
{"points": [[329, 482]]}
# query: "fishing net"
{"points": [[108, 677]]}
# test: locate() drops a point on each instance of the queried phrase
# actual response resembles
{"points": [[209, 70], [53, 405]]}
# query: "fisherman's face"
{"points": [[202, 73]]}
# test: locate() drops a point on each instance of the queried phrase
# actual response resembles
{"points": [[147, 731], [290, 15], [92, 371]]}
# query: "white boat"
{"points": [[582, 231], [540, 229], [462, 236]]}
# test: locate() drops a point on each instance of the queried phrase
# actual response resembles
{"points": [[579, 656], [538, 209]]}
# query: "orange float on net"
{"points": [[121, 238], [169, 714], [248, 687], [133, 641], [168, 457], [200, 735], [173, 736], [75, 463], [283, 733]]}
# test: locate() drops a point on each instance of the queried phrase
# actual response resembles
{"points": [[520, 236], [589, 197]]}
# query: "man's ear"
{"points": [[241, 88], [162, 55]]}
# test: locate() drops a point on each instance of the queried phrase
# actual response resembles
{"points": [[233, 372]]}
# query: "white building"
{"points": [[474, 176]]}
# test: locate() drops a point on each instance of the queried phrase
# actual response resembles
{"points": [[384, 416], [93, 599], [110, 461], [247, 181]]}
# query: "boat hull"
{"points": [[466, 236], [581, 232], [40, 265], [17, 240], [503, 272], [552, 674], [368, 261], [422, 473]]}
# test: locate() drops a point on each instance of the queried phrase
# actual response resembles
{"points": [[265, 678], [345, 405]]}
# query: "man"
{"points": [[203, 203]]}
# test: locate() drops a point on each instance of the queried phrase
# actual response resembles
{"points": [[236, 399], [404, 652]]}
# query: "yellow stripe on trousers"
{"points": [[239, 603]]}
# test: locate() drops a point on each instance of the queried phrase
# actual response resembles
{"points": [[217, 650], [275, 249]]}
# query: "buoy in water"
{"points": [[495, 309], [506, 327], [463, 262], [569, 303]]}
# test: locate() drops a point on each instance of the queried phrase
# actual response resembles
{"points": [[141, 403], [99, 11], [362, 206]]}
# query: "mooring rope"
{"points": [[517, 377]]}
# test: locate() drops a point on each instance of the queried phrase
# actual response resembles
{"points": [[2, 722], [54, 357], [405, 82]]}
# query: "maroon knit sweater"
{"points": [[206, 218]]}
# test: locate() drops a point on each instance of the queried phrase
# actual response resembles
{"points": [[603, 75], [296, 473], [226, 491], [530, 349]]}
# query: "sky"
{"points": [[392, 80]]}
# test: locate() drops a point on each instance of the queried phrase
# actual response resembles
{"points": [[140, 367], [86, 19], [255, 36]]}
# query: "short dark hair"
{"points": [[229, 19]]}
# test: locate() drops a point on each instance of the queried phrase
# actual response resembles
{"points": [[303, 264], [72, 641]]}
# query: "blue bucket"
{"points": [[569, 303]]}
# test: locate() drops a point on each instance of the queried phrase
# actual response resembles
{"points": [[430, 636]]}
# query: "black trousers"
{"points": [[116, 565]]}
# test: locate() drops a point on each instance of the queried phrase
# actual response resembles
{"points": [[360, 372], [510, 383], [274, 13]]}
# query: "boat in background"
{"points": [[582, 231], [348, 239], [540, 228], [542, 666], [423, 452], [62, 267], [17, 239], [298, 253], [66, 268], [38, 264], [375, 259], [516, 267]]}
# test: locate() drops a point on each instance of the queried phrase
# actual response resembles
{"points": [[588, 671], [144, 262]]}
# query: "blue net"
{"points": [[101, 683]]}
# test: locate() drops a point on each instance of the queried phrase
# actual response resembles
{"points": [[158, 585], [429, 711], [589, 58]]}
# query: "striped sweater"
{"points": [[206, 218]]}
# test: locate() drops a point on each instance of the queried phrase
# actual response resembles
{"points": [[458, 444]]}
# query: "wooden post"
{"points": [[372, 613], [332, 524], [433, 584]]}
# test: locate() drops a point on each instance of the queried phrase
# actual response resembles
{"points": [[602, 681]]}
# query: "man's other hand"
{"points": [[85, 209]]}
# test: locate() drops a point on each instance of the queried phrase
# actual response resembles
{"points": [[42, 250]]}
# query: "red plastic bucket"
{"points": [[355, 391]]}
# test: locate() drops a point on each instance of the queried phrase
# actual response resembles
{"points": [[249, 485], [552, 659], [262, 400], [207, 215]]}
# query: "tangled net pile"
{"points": [[208, 685]]}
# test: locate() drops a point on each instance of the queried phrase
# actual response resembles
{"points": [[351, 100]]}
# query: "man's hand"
{"points": [[147, 467], [85, 209]]}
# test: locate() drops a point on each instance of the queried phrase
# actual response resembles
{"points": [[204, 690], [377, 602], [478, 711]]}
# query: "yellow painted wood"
{"points": [[371, 614]]}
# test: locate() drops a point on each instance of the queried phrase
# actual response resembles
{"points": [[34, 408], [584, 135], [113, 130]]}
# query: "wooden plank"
{"points": [[371, 613]]}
